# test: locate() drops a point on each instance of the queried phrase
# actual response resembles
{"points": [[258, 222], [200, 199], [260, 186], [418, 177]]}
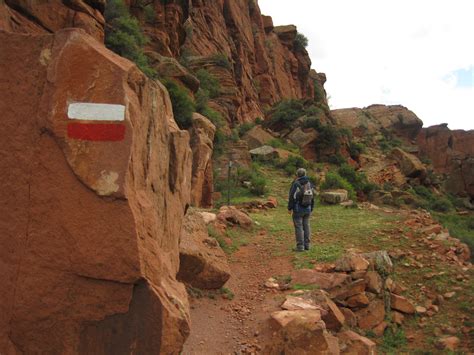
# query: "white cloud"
{"points": [[389, 52]]}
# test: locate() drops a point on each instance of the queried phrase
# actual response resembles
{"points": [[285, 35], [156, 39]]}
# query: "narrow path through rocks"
{"points": [[240, 325]]}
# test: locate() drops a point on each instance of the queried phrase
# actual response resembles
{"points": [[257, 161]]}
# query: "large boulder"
{"points": [[202, 135], [256, 137], [91, 210], [264, 152], [202, 263], [409, 164], [334, 197]]}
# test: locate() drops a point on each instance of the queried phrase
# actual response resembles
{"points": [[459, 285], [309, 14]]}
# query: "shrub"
{"points": [[183, 106], [258, 185], [286, 111], [356, 149], [337, 159], [300, 42], [245, 127], [329, 137], [208, 83], [441, 205], [221, 60], [424, 192], [293, 163], [312, 122], [150, 15], [334, 181], [124, 36]]}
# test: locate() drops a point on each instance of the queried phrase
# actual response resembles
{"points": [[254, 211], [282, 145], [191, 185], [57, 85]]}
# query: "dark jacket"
{"points": [[293, 205]]}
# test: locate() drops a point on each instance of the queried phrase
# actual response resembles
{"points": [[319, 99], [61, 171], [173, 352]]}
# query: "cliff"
{"points": [[451, 153]]}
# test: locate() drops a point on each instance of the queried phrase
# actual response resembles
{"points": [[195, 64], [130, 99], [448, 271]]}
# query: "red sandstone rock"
{"points": [[369, 317], [202, 263], [334, 318], [232, 215], [51, 16], [300, 337], [323, 280], [357, 301], [89, 229], [256, 137], [374, 282], [347, 290], [350, 317], [451, 152], [202, 135], [409, 164], [401, 304], [375, 117], [357, 344]]}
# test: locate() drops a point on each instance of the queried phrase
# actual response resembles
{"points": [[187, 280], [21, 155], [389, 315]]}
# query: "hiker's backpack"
{"points": [[304, 194]]}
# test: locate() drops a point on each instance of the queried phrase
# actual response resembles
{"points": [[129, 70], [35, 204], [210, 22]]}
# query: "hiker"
{"points": [[301, 203]]}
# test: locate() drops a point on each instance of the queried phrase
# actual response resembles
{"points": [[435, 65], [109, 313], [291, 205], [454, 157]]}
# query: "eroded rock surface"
{"points": [[89, 227]]}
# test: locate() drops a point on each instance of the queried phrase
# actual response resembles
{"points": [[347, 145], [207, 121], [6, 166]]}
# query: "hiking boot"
{"points": [[306, 248], [297, 250]]}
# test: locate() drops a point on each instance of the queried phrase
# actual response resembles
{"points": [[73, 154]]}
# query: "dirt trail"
{"points": [[240, 325]]}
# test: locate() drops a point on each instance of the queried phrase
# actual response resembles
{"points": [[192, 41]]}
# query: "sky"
{"points": [[416, 53]]}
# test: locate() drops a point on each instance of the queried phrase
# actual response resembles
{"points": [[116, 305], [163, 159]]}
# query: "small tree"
{"points": [[301, 41], [124, 36]]}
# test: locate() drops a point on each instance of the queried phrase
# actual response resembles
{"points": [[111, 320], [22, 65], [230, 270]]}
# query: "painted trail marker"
{"points": [[84, 127]]}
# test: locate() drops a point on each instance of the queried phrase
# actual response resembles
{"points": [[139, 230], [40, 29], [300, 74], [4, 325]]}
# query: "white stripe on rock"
{"points": [[96, 112]]}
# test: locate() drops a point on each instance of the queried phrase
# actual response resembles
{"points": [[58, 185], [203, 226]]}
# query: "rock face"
{"points": [[202, 135], [203, 264], [374, 118], [50, 16], [89, 223], [451, 153], [256, 64]]}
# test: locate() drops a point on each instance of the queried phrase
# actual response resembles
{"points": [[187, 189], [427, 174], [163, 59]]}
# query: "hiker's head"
{"points": [[300, 172]]}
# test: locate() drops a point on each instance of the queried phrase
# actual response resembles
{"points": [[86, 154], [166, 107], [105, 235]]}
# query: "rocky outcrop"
{"points": [[256, 63], [451, 153], [202, 136], [256, 137], [91, 210], [409, 164], [372, 119], [203, 264], [33, 17]]}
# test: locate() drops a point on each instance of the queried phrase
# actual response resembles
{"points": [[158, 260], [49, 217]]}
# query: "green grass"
{"points": [[461, 227], [393, 341], [304, 287], [318, 253]]}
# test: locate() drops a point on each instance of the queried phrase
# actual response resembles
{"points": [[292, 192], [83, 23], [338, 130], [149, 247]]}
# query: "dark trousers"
{"points": [[302, 230]]}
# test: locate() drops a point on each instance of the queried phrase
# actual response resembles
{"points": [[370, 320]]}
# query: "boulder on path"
{"points": [[234, 216], [334, 197], [203, 264]]}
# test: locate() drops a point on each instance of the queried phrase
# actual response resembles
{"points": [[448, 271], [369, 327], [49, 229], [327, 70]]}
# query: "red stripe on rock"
{"points": [[111, 132]]}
